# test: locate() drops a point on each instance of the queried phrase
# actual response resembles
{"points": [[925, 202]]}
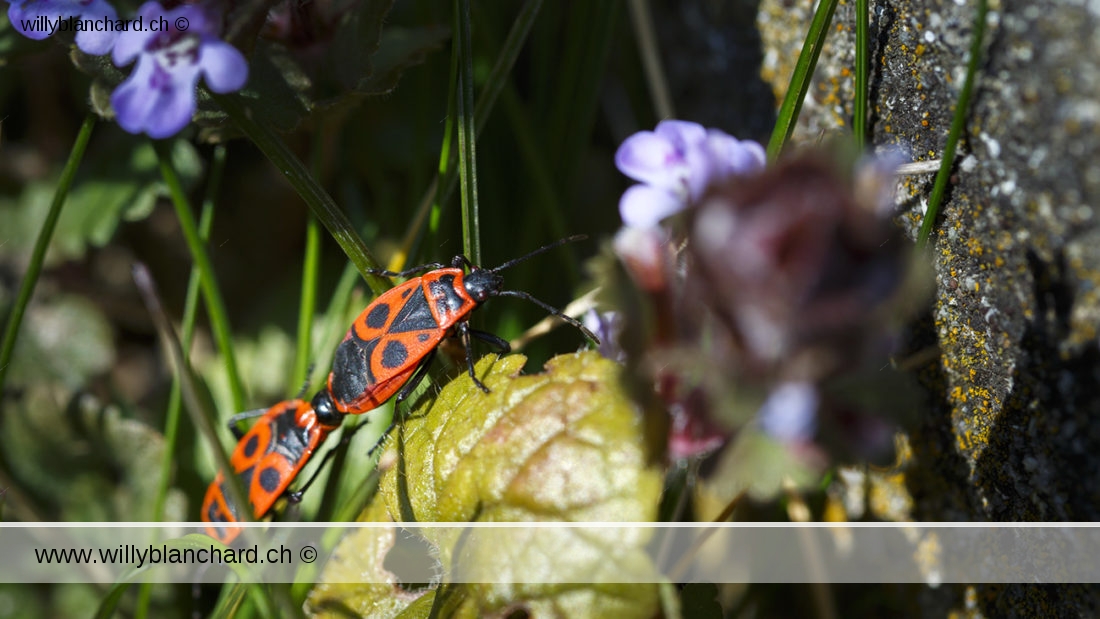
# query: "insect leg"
{"points": [[410, 386], [431, 266], [239, 417], [553, 310], [405, 392], [463, 329], [502, 346]]}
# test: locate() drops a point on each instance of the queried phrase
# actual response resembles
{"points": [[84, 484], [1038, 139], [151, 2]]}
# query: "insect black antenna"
{"points": [[553, 310], [541, 250]]}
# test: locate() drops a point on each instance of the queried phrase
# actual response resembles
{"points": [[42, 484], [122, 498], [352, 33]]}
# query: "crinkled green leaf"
{"points": [[276, 93], [401, 48], [66, 339], [120, 183], [348, 58], [83, 459], [563, 445]]}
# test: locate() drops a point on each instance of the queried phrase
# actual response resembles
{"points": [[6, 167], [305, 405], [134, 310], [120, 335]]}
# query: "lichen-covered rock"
{"points": [[1012, 434]]}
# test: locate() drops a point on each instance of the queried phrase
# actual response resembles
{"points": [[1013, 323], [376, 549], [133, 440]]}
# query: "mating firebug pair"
{"points": [[387, 351]]}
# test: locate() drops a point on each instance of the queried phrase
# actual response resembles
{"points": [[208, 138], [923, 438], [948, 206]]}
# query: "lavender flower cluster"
{"points": [[172, 49], [760, 276]]}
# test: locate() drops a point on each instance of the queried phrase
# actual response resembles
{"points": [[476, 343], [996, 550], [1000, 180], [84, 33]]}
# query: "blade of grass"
{"points": [[41, 244], [190, 312], [646, 37], [859, 112], [316, 198], [311, 271], [800, 80], [448, 157], [958, 125], [215, 306], [439, 192], [201, 415], [307, 305], [577, 112], [467, 132]]}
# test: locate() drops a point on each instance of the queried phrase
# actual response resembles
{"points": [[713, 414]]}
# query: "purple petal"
{"points": [[650, 158], [155, 101], [790, 413], [607, 326], [28, 11], [643, 206], [150, 10], [175, 105], [719, 157], [738, 156], [225, 68], [681, 134], [90, 41], [129, 44], [131, 100]]}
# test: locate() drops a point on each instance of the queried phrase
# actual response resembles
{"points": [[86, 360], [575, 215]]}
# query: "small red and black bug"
{"points": [[267, 459], [390, 345]]}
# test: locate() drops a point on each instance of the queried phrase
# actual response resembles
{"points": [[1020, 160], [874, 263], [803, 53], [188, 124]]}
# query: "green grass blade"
{"points": [[646, 36], [863, 48], [307, 305], [311, 272], [190, 312], [215, 306], [467, 134], [38, 254], [800, 80], [958, 125], [316, 198], [586, 65], [439, 192], [201, 415]]}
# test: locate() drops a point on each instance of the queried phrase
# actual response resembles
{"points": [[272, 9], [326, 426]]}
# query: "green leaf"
{"points": [[120, 183], [348, 58], [276, 89], [83, 458], [401, 49], [563, 445], [66, 339]]}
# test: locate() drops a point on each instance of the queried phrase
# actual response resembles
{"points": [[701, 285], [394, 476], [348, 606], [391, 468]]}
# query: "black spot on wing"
{"points": [[415, 315], [376, 318], [423, 337], [394, 355], [214, 512], [270, 480], [251, 445], [351, 374]]}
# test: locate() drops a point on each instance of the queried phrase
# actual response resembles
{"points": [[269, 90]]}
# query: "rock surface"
{"points": [[1012, 433]]}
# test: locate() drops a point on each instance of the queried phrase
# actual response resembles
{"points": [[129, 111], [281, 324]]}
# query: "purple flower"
{"points": [[790, 413], [676, 163], [38, 19], [159, 96], [608, 326]]}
